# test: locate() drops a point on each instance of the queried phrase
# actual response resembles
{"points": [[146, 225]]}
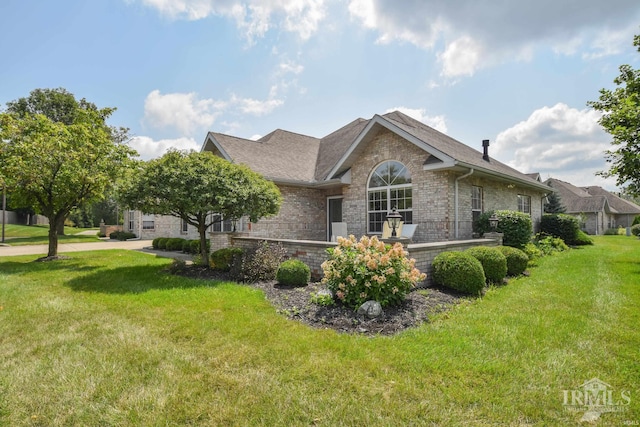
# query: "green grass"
{"points": [[106, 338], [20, 235]]}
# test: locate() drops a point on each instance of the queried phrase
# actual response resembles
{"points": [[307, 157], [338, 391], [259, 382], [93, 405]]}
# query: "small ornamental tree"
{"points": [[58, 154], [192, 185], [359, 271]]}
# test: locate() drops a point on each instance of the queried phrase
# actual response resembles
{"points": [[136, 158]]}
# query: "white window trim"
{"points": [[521, 205], [388, 189]]}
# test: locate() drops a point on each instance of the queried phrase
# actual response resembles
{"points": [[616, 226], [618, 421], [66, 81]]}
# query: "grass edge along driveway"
{"points": [[108, 338]]}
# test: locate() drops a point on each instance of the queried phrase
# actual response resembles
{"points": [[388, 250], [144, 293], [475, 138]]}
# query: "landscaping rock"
{"points": [[370, 309]]}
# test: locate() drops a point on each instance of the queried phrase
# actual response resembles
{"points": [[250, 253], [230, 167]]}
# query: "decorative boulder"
{"points": [[370, 309]]}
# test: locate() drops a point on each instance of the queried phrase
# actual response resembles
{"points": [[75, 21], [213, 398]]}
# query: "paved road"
{"points": [[75, 247]]}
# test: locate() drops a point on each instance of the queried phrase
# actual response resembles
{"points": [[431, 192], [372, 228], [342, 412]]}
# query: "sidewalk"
{"points": [[75, 247]]}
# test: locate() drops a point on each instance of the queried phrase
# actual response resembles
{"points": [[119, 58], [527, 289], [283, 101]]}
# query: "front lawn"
{"points": [[20, 235], [107, 338]]}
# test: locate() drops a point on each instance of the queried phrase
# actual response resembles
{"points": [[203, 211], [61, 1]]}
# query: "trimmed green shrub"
{"points": [[193, 246], [635, 230], [517, 260], [516, 227], [532, 251], [162, 243], [494, 263], [460, 271], [583, 239], [359, 271], [259, 263], [293, 272], [563, 226], [122, 235], [174, 244], [222, 259], [550, 245], [154, 243]]}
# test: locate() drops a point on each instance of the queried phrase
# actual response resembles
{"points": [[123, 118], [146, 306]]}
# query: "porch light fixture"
{"points": [[393, 219], [493, 222]]}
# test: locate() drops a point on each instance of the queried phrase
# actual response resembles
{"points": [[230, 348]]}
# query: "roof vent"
{"points": [[485, 149]]}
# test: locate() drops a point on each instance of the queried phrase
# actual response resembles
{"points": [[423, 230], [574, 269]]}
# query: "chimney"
{"points": [[485, 149]]}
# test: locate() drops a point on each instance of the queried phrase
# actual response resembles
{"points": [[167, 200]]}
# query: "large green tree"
{"points": [[192, 185], [59, 155], [621, 119]]}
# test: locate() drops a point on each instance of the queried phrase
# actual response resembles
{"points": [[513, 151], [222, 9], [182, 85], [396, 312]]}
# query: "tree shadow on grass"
{"points": [[135, 280], [70, 264], [632, 265]]}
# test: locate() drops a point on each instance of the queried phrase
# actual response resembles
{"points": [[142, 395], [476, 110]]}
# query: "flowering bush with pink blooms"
{"points": [[359, 271]]}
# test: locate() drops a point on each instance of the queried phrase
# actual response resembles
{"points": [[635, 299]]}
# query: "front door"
{"points": [[334, 213]]}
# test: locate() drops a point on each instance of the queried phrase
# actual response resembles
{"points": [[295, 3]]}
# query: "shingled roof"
{"points": [[590, 199], [284, 156]]}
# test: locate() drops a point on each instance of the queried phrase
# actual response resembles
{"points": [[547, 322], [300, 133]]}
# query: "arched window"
{"points": [[389, 187]]}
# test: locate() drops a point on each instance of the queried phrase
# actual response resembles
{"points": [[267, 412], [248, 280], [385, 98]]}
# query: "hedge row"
{"points": [[178, 244], [471, 270], [122, 235]]}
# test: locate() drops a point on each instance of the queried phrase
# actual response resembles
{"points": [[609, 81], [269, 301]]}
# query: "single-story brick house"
{"points": [[358, 173], [597, 208]]}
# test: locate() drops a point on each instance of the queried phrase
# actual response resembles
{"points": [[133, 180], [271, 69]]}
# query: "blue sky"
{"points": [[518, 73]]}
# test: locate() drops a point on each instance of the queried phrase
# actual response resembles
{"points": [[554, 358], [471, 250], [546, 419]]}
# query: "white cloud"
{"points": [[557, 141], [183, 111], [420, 114], [290, 67], [461, 57], [253, 17], [256, 107], [469, 35], [150, 149], [190, 115]]}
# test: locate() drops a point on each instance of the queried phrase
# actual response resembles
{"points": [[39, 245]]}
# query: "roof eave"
{"points": [[307, 184], [524, 182], [212, 139], [379, 120]]}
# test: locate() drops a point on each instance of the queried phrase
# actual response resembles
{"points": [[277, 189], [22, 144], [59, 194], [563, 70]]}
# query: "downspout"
{"points": [[455, 201]]}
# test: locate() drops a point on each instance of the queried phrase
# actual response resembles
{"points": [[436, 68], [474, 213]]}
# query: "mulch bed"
{"points": [[295, 303]]}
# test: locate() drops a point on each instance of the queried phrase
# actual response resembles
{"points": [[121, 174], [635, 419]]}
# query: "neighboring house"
{"points": [[597, 208], [358, 173]]}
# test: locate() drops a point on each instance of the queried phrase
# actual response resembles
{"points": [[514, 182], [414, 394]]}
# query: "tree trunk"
{"points": [[60, 227], [53, 235], [204, 253]]}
